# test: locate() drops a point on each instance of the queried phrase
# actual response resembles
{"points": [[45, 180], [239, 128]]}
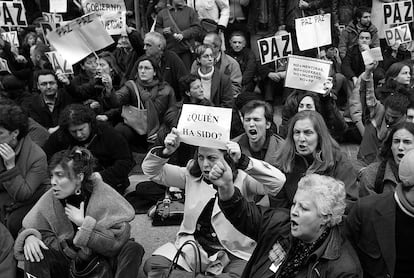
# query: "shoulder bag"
{"points": [[174, 263], [185, 42], [136, 117], [98, 267]]}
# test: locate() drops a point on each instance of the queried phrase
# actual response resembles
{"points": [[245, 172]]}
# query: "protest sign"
{"points": [[59, 63], [307, 73], [275, 47], [111, 13], [313, 31], [398, 12], [58, 6], [52, 17], [371, 55], [400, 34], [4, 66], [79, 38], [205, 126], [12, 13], [11, 37]]}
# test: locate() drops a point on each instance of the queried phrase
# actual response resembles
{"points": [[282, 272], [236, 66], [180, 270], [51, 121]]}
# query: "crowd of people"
{"points": [[279, 200]]}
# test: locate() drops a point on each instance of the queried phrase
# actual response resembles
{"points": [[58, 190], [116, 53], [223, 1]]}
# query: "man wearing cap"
{"points": [[381, 227]]}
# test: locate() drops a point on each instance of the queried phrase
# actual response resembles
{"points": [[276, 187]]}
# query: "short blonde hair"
{"points": [[329, 196]]}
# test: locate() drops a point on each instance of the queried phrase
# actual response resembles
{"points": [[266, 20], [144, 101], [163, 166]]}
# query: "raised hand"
{"points": [[233, 149], [171, 142], [76, 215], [221, 175]]}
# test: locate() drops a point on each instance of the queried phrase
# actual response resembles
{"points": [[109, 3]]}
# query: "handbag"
{"points": [[193, 243], [136, 117], [209, 25], [98, 267], [168, 212]]}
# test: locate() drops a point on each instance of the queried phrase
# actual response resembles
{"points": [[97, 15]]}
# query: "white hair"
{"points": [[329, 195]]}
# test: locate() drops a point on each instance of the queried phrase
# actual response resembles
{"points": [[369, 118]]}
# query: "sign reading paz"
{"points": [[58, 63], [398, 12], [400, 34], [274, 47], [11, 37], [12, 13], [307, 73], [205, 126], [313, 31]]}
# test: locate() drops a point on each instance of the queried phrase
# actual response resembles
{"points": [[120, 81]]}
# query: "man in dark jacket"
{"points": [[78, 127]]}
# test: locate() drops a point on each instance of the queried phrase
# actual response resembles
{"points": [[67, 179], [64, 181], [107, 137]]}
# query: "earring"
{"points": [[78, 191]]}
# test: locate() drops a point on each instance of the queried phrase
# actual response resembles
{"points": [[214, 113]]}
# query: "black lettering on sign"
{"points": [[8, 19], [387, 12], [286, 39], [406, 34], [264, 50], [19, 7], [397, 14], [275, 51], [408, 13]]}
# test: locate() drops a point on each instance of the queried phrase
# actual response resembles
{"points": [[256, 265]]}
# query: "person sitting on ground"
{"points": [[79, 127], [308, 240], [7, 261], [78, 219], [203, 221]]}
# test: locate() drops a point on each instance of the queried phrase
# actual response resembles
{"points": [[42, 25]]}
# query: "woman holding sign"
{"points": [[223, 248]]}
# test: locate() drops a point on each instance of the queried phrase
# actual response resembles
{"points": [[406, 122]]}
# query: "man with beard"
{"points": [[46, 107], [380, 227]]}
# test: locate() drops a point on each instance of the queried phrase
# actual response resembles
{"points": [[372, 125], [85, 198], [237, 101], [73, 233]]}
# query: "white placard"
{"points": [[111, 12], [371, 55], [59, 63], [275, 47], [52, 17], [12, 13], [398, 12], [313, 31], [58, 6], [400, 34], [11, 37], [306, 73], [205, 126]]}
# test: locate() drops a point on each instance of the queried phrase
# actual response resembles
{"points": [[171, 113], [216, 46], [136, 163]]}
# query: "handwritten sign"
{"points": [[12, 13], [400, 34], [398, 12], [371, 55], [275, 47], [79, 38], [307, 73], [58, 6], [11, 37], [313, 31], [111, 12], [205, 126], [52, 17], [59, 63]]}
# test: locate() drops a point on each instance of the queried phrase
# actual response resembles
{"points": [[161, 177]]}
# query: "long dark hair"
{"points": [[385, 151]]}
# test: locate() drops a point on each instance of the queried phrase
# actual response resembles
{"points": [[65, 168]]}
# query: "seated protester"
{"points": [[380, 227], [382, 117], [39, 61], [155, 95], [23, 168], [350, 35], [99, 93], [79, 127], [15, 89], [382, 176], [324, 104], [258, 141], [7, 261], [17, 64], [125, 51], [246, 59], [30, 39], [225, 64], [79, 218], [397, 76], [309, 148], [306, 243], [396, 53], [203, 220], [46, 107]]}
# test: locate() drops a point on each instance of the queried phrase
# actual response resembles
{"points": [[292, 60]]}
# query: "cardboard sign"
{"points": [[275, 47], [111, 12], [59, 63], [52, 17], [313, 31], [398, 12], [4, 65], [12, 13], [307, 73], [371, 55], [11, 37], [205, 126], [400, 34], [58, 6], [79, 38]]}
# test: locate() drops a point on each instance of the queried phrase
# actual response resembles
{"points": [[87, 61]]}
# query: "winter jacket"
{"points": [[248, 67], [334, 258], [349, 37], [105, 228], [27, 181], [258, 178], [368, 176], [114, 159]]}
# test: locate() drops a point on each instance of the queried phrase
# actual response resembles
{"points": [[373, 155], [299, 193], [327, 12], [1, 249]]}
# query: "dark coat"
{"points": [[221, 91], [111, 150], [334, 258], [248, 67], [342, 170], [353, 63], [370, 226]]}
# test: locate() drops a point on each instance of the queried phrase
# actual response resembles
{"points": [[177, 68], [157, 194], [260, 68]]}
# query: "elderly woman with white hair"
{"points": [[306, 243]]}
